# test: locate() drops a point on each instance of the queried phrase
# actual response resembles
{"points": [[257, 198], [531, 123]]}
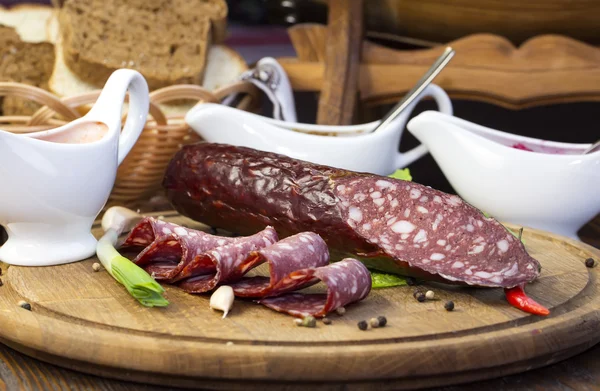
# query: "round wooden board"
{"points": [[84, 320]]}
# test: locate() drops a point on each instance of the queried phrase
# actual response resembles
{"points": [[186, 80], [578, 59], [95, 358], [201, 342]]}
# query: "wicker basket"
{"points": [[139, 176]]}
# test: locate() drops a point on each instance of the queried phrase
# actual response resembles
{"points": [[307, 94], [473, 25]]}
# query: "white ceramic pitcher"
{"points": [[350, 147], [54, 183]]}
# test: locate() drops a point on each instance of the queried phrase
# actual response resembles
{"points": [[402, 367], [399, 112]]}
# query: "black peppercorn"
{"points": [[1, 283], [411, 281], [25, 305], [326, 321], [363, 325], [449, 306], [382, 321], [213, 231], [420, 296], [590, 262]]}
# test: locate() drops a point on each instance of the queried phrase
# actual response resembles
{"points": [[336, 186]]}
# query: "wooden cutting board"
{"points": [[84, 320]]}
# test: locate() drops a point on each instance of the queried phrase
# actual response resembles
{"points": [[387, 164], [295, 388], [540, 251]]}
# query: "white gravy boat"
{"points": [[366, 152], [55, 182], [552, 188]]}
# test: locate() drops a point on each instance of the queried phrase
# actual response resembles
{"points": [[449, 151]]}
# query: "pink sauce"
{"points": [[522, 147], [80, 134]]}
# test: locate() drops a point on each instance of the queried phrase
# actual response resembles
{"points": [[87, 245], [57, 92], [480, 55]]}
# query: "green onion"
{"points": [[138, 283]]}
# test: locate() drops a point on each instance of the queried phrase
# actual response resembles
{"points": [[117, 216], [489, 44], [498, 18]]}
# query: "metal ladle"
{"points": [[592, 148], [423, 82]]}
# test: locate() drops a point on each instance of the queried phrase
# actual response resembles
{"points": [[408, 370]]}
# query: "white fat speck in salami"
{"points": [[420, 237], [383, 184], [355, 214], [403, 227], [457, 265], [420, 209], [437, 257], [351, 283], [415, 193], [502, 245]]}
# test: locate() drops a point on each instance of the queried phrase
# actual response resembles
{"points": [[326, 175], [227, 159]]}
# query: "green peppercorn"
{"points": [[449, 306], [363, 325], [309, 321]]}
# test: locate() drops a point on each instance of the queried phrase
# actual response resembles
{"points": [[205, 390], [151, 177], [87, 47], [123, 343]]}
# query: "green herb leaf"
{"points": [[402, 174], [384, 280]]}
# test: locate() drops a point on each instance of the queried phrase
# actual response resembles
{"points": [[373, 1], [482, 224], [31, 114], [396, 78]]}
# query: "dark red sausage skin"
{"points": [[389, 224]]}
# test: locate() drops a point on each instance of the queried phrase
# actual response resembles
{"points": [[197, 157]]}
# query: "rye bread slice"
{"points": [[167, 41], [23, 62]]}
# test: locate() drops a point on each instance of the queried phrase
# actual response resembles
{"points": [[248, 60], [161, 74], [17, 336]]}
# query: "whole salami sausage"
{"points": [[389, 224]]}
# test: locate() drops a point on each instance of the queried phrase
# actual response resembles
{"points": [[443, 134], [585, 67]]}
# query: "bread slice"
{"points": [[223, 67], [29, 21], [165, 40], [23, 62]]}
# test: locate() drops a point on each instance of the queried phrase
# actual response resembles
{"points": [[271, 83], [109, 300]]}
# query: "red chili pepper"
{"points": [[518, 298]]}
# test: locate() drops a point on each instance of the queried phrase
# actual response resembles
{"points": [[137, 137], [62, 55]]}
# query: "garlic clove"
{"points": [[222, 299]]}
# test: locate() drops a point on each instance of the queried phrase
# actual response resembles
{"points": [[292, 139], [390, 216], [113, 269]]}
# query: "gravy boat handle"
{"points": [[109, 105], [444, 103]]}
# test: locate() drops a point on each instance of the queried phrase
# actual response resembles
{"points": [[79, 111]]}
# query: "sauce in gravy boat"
{"points": [[55, 182], [522, 180], [357, 150]]}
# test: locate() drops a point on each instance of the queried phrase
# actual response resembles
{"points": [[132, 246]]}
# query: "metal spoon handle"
{"points": [[423, 82], [592, 148]]}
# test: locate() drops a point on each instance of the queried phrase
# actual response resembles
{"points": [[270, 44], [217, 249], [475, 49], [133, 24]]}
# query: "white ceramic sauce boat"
{"points": [[554, 188], [369, 152], [55, 182]]}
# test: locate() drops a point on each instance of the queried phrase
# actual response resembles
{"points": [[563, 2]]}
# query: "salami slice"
{"points": [[230, 262], [347, 281], [166, 248], [391, 225], [298, 252]]}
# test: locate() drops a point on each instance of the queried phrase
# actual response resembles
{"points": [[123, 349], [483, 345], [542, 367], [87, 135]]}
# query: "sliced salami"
{"points": [[298, 252], [168, 247], [230, 262], [347, 281]]}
